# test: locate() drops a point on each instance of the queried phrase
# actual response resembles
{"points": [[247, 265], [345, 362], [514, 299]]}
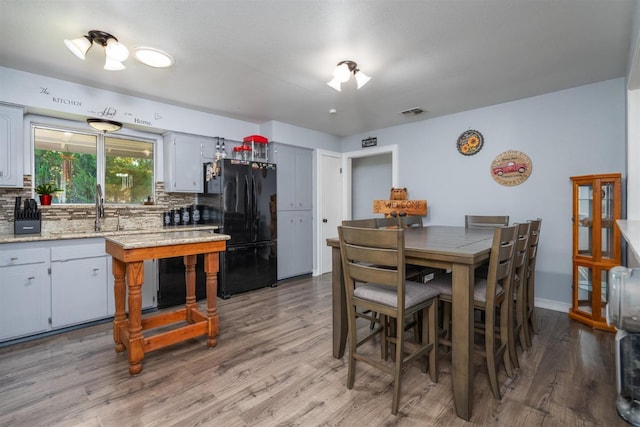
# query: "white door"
{"points": [[330, 204]]}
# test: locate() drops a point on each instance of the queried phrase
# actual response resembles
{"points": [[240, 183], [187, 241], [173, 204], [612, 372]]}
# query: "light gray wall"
{"points": [[577, 131], [370, 180]]}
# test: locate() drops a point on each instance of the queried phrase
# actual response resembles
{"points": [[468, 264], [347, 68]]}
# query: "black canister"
{"points": [[195, 214], [176, 217], [185, 214]]}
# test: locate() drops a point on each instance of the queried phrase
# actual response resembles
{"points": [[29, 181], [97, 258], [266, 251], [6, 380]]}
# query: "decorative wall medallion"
{"points": [[511, 168], [470, 142]]}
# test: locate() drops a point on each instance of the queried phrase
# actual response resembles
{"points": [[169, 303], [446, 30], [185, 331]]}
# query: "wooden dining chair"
{"points": [[373, 268], [530, 324], [489, 295], [483, 221], [517, 312]]}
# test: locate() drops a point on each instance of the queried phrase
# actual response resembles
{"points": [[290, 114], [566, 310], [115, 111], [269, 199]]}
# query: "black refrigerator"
{"points": [[241, 196]]}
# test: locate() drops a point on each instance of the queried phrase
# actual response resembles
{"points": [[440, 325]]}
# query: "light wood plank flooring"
{"points": [[273, 367]]}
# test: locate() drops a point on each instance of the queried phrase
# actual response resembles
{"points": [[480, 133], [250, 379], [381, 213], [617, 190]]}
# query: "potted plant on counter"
{"points": [[46, 192]]}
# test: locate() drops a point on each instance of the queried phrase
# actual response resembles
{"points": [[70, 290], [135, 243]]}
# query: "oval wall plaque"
{"points": [[511, 168]]}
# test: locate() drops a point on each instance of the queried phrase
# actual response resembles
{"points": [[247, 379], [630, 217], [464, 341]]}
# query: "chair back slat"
{"points": [[485, 221], [369, 274], [387, 222], [362, 223]]}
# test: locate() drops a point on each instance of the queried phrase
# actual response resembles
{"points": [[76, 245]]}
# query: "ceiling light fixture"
{"points": [[115, 51], [343, 72], [153, 57], [104, 125]]}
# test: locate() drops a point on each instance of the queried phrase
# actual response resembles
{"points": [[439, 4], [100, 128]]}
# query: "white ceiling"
{"points": [[268, 60]]}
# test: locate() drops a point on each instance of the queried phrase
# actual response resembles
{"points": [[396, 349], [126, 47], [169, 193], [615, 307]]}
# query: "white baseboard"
{"points": [[552, 305]]}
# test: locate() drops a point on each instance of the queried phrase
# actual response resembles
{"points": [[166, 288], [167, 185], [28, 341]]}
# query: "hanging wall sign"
{"points": [[369, 142], [470, 142], [511, 168]]}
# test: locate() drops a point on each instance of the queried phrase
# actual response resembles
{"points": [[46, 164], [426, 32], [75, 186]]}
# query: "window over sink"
{"points": [[76, 161]]}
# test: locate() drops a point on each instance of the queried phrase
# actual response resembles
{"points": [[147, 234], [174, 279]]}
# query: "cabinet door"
{"points": [[295, 245], [286, 244], [295, 168], [304, 242], [78, 291], [188, 166], [183, 159], [286, 160], [303, 179], [10, 147], [24, 300]]}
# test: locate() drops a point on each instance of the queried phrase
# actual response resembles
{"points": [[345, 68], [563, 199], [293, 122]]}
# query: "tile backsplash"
{"points": [[80, 218]]}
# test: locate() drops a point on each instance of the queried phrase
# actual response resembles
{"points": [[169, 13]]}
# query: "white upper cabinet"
{"points": [[183, 159], [11, 147], [295, 167]]}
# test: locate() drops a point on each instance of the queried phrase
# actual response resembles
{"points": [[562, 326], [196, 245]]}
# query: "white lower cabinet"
{"points": [[78, 291], [295, 243], [24, 293], [49, 285], [78, 282]]}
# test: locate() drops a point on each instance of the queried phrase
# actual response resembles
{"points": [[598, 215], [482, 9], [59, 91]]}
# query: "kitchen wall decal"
{"points": [[511, 168], [470, 142], [109, 111]]}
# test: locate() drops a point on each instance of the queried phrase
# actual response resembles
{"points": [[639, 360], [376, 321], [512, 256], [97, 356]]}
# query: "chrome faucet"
{"points": [[99, 208]]}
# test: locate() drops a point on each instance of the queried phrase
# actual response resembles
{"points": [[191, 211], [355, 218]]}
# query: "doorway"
{"points": [[335, 199], [330, 204]]}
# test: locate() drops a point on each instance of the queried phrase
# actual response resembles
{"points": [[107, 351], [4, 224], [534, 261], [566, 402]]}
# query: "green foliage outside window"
{"points": [[128, 180], [69, 160], [77, 178]]}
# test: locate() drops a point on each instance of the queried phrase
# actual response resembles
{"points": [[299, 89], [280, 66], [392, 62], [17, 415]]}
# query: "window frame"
{"points": [[63, 125]]}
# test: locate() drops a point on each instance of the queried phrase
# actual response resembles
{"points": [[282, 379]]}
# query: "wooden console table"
{"points": [[129, 252]]}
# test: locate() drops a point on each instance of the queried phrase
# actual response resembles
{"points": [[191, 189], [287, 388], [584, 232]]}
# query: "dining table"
{"points": [[454, 248]]}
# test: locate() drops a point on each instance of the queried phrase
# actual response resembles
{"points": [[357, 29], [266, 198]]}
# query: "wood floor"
{"points": [[273, 367]]}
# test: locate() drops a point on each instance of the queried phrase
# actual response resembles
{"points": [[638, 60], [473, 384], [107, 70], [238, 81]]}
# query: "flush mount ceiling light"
{"points": [[104, 125], [343, 72], [153, 57]]}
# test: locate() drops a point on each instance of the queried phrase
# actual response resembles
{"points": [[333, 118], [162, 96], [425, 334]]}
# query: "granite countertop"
{"points": [[631, 232], [174, 237], [74, 234]]}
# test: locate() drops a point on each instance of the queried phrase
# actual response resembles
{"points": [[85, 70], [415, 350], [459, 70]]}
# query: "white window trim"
{"points": [[32, 120]]}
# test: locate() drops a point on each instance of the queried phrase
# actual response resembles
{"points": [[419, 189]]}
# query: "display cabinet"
{"points": [[596, 245]]}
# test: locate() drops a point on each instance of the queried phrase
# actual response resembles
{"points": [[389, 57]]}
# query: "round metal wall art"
{"points": [[470, 142], [511, 168]]}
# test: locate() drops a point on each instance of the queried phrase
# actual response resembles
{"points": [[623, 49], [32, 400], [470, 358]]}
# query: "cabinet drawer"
{"points": [[78, 251], [23, 256]]}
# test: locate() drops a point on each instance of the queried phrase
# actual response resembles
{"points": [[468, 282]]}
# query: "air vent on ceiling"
{"points": [[412, 111]]}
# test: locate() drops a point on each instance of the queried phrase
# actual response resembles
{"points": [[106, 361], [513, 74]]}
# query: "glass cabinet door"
{"points": [[585, 219], [592, 290], [585, 288], [607, 211]]}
